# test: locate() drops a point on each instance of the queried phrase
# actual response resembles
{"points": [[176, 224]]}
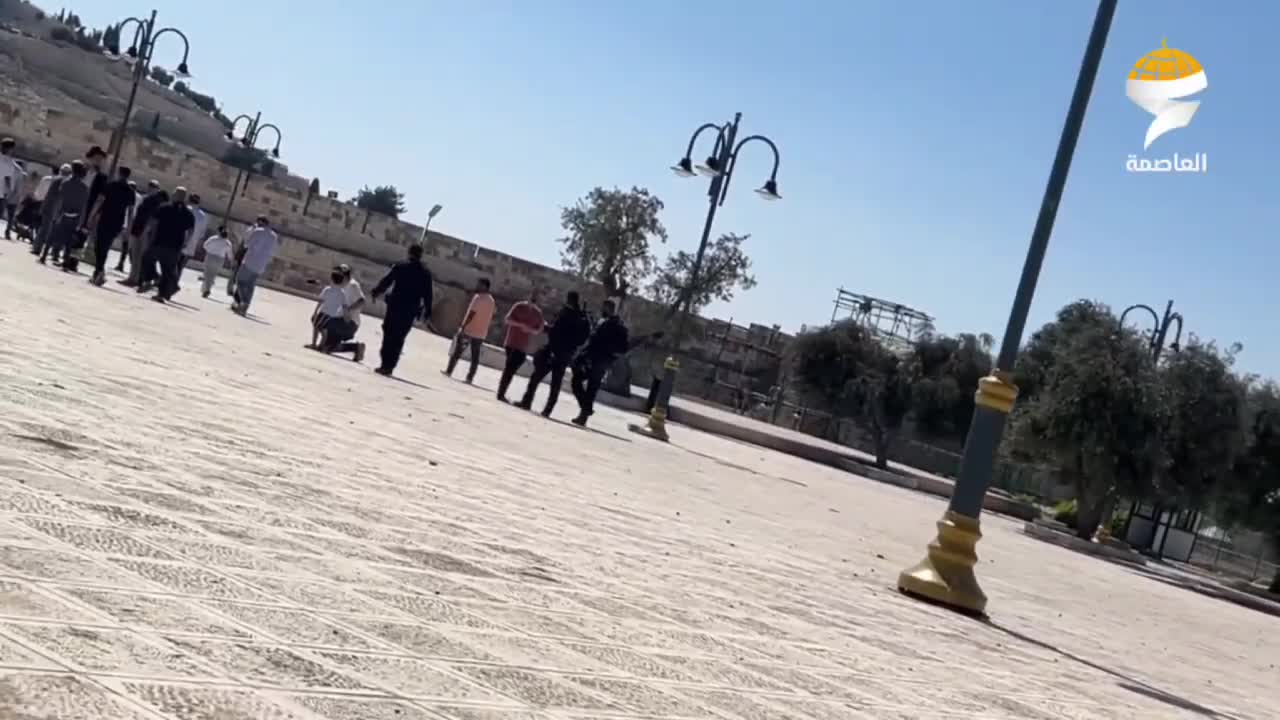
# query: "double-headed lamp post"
{"points": [[719, 167], [139, 55], [946, 575], [1159, 328], [252, 130]]}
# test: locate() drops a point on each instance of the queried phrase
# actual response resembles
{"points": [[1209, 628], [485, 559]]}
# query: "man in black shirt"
{"points": [[109, 213], [410, 299], [174, 223], [607, 342], [140, 232], [564, 334]]}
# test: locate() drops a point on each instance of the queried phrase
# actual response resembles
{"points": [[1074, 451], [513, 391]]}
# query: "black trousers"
{"points": [[338, 336], [103, 238], [456, 352], [395, 328], [168, 259], [544, 363], [515, 358], [586, 384]]}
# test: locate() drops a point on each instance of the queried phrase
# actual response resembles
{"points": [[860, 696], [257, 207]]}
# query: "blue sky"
{"points": [[916, 137]]}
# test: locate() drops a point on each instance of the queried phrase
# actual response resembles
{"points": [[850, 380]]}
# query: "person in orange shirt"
{"points": [[474, 329], [524, 320]]}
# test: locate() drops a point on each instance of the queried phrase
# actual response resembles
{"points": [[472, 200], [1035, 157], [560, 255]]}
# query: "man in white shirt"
{"points": [[339, 336], [8, 180], [216, 249], [198, 232], [259, 247]]}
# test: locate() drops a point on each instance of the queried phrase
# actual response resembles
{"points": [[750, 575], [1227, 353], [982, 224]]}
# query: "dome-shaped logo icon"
{"points": [[1157, 81]]}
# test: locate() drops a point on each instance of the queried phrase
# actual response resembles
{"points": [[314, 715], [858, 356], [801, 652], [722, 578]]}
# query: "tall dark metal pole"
{"points": [[139, 70], [656, 427], [250, 136], [946, 574]]}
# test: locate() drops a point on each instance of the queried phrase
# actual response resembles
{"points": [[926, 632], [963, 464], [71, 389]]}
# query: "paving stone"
{"points": [[15, 655], [431, 609], [630, 662], [23, 600], [321, 596], [642, 698], [155, 612], [537, 689], [221, 555], [189, 579], [63, 566], [411, 678], [295, 627], [264, 664], [186, 702], [97, 539], [13, 500], [105, 650], [333, 708], [524, 651], [132, 518], [420, 640], [26, 696], [472, 713]]}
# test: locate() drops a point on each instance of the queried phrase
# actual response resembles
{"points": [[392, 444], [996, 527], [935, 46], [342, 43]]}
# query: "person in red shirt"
{"points": [[523, 321]]}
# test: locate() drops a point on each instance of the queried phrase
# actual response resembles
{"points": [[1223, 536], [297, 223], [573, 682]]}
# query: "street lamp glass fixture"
{"points": [[710, 168], [275, 151], [182, 70], [684, 168], [434, 211], [769, 191]]}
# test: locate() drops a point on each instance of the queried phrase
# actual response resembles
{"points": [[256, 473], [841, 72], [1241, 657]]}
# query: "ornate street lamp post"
{"points": [[139, 55], [719, 167]]}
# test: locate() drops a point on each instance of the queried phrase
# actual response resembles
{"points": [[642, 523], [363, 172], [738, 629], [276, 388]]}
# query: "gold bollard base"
{"points": [[945, 576]]}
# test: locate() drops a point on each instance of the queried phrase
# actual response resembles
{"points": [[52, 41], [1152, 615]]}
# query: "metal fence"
{"points": [[1237, 553]]}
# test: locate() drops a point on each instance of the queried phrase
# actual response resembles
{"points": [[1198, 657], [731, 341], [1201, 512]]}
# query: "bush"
{"points": [[1118, 521], [61, 33], [1065, 512]]}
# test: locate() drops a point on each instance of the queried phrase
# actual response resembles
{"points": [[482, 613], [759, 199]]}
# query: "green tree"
{"points": [[726, 268], [845, 369], [1206, 430], [1095, 410], [161, 76], [608, 236], [383, 199], [946, 371], [1254, 499]]}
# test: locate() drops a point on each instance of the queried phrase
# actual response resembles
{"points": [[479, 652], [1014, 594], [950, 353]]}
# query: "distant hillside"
{"points": [[64, 75]]}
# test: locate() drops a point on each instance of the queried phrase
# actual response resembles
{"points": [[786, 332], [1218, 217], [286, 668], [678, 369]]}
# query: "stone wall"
{"points": [[318, 232]]}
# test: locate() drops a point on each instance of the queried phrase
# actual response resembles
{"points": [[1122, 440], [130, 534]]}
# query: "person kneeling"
{"points": [[330, 307]]}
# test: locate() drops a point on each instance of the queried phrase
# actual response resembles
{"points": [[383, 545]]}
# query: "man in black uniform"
{"points": [[140, 233], [564, 334], [607, 343], [409, 299], [107, 219], [174, 223]]}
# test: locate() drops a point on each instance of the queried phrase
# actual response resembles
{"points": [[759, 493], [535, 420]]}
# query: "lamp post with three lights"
{"points": [[719, 166]]}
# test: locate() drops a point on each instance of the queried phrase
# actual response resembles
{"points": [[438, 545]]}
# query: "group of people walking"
{"points": [[573, 343], [158, 232]]}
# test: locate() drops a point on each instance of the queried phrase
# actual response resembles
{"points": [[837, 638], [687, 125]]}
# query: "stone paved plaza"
{"points": [[200, 519]]}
